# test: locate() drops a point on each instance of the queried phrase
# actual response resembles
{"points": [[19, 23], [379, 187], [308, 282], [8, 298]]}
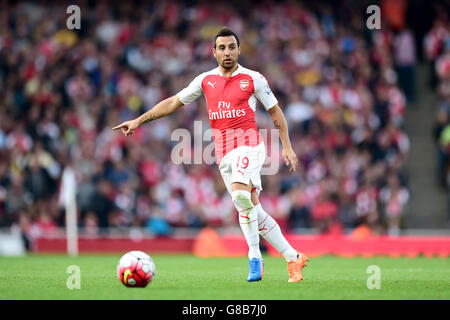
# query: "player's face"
{"points": [[227, 51]]}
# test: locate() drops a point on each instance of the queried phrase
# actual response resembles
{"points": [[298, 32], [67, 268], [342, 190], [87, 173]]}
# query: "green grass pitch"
{"points": [[185, 277]]}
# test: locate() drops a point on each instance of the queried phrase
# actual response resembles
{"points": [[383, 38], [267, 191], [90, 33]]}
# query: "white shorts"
{"points": [[243, 165]]}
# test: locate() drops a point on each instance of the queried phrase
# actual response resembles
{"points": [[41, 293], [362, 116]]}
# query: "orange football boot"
{"points": [[295, 268]]}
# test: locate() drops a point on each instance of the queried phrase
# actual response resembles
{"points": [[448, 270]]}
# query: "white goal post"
{"points": [[67, 198]]}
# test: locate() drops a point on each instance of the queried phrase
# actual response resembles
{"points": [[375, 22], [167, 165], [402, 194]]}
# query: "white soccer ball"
{"points": [[136, 269]]}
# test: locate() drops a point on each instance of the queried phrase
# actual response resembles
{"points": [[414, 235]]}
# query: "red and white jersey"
{"points": [[231, 106]]}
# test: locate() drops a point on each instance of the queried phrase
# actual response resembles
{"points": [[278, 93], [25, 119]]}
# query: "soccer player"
{"points": [[231, 92]]}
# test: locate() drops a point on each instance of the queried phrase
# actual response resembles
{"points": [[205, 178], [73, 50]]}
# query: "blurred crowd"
{"points": [[344, 90], [437, 49]]}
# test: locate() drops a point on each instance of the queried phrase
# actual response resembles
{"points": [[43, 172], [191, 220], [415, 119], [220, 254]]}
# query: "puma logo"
{"points": [[211, 84]]}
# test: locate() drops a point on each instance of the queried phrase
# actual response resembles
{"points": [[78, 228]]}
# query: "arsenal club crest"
{"points": [[244, 84]]}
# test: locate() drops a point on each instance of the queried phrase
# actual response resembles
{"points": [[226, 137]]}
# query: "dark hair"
{"points": [[225, 32]]}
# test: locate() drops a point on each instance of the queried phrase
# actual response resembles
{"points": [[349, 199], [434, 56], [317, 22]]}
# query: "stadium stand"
{"points": [[344, 90]]}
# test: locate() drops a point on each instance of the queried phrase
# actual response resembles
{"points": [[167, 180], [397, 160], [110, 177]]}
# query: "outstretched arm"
{"points": [[279, 122], [162, 109]]}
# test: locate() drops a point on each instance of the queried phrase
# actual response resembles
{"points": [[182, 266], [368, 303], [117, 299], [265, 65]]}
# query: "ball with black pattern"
{"points": [[136, 269]]}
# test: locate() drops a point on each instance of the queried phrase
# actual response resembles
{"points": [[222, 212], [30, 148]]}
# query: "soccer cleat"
{"points": [[256, 269], [295, 268]]}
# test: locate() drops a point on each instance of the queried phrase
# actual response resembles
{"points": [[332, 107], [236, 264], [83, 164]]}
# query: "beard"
{"points": [[228, 65]]}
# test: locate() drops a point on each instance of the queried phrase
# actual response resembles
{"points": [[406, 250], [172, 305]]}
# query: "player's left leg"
{"points": [[270, 230]]}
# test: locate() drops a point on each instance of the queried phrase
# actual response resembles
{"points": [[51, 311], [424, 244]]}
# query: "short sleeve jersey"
{"points": [[231, 105]]}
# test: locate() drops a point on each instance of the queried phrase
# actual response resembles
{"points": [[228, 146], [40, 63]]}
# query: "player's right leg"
{"points": [[248, 221], [236, 168], [270, 230]]}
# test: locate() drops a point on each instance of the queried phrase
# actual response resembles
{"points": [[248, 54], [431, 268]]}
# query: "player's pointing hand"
{"points": [[290, 158], [127, 127]]}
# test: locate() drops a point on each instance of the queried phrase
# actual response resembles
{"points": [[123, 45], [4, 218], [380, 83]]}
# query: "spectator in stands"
{"points": [[394, 198], [405, 62], [103, 206]]}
